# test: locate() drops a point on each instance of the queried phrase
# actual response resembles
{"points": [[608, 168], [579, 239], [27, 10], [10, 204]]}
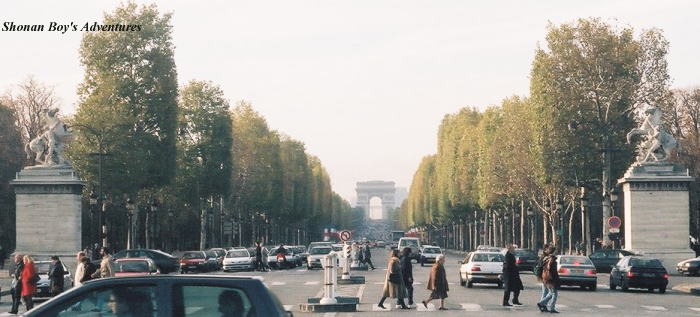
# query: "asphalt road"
{"points": [[295, 286]]}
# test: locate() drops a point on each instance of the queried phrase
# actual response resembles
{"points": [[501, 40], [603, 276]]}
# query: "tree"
{"points": [[11, 161], [29, 103]]}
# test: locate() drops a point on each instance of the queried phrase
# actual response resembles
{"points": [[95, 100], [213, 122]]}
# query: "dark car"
{"points": [[690, 267], [194, 261], [604, 259], [165, 262], [525, 259], [639, 272], [213, 261], [165, 295]]}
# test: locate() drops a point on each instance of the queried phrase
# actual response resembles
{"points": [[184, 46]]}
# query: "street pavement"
{"points": [[295, 286]]}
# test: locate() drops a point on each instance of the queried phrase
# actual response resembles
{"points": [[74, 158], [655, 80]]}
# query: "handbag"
{"points": [[394, 278], [35, 279]]}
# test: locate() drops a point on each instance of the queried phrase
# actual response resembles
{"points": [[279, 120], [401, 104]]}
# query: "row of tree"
{"points": [[588, 87], [193, 165]]}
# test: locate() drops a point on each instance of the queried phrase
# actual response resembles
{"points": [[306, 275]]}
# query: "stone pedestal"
{"points": [[656, 211], [48, 208]]}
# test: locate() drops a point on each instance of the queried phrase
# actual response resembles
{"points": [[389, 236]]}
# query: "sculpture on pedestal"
{"points": [[658, 143], [48, 147]]}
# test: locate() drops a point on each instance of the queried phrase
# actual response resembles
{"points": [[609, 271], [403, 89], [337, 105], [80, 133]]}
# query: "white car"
{"points": [[42, 268], [481, 267], [428, 254], [238, 259], [316, 255]]}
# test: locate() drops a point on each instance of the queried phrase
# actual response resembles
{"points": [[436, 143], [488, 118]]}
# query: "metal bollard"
{"points": [[346, 264], [330, 276]]}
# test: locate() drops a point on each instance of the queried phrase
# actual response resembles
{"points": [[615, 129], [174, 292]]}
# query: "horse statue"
{"points": [[51, 143], [658, 143]]}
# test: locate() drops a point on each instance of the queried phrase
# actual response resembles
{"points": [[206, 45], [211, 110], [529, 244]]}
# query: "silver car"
{"points": [[577, 270]]}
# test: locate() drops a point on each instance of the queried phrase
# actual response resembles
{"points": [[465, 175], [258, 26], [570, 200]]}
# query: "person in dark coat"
{"points": [[550, 278], [17, 284], [437, 283], [56, 274], [393, 282], [407, 273], [95, 254], [511, 278], [259, 257], [368, 256]]}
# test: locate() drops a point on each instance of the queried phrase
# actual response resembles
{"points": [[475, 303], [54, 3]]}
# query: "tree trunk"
{"points": [[522, 224], [571, 227]]}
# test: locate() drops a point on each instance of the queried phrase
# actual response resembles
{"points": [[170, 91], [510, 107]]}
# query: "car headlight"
{"points": [[687, 264]]}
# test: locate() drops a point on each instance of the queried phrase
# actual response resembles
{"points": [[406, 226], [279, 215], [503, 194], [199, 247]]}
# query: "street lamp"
{"points": [[93, 206], [560, 215], [150, 241], [105, 242], [130, 207], [585, 223]]}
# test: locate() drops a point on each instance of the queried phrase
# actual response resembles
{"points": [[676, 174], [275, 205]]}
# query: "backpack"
{"points": [[538, 269]]}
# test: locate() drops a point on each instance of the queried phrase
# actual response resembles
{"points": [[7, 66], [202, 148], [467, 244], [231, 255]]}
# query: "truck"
{"points": [[396, 235]]}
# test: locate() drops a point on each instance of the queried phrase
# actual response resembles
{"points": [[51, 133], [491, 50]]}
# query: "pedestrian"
{"points": [[95, 255], [105, 266], [511, 278], [407, 273], [437, 283], [89, 268], [266, 265], [550, 278], [695, 246], [17, 284], [393, 282], [79, 269], [368, 257], [537, 270], [30, 278], [56, 274]]}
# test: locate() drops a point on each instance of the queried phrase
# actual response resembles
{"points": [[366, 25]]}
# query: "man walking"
{"points": [[105, 266], [511, 278], [17, 284], [368, 256], [407, 273]]}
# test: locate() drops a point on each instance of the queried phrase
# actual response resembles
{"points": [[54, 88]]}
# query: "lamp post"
{"points": [[93, 206], [171, 243], [150, 216], [530, 216], [585, 223], [613, 204], [130, 207], [105, 241]]}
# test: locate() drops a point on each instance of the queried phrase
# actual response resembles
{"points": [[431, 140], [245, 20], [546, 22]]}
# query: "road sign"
{"points": [[614, 230], [614, 222], [345, 235]]}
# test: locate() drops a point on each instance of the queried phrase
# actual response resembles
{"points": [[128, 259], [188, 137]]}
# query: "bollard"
{"points": [[330, 275], [346, 264]]}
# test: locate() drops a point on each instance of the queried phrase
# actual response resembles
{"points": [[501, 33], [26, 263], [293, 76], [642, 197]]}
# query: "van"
{"points": [[413, 243]]}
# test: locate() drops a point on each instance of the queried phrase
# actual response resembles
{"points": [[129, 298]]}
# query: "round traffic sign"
{"points": [[345, 235], [614, 222]]}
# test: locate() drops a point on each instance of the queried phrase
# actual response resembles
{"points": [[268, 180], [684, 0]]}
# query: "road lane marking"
{"points": [[329, 314], [471, 307], [378, 283], [560, 306], [657, 308], [417, 283], [288, 307], [360, 292], [694, 308], [603, 286], [278, 283], [302, 270], [605, 306], [312, 283], [377, 308]]}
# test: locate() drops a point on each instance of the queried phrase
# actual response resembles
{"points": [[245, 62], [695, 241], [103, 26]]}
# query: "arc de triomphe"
{"points": [[368, 190]]}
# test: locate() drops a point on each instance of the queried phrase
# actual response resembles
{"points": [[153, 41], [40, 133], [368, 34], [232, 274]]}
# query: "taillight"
{"points": [[591, 272], [519, 260], [564, 270], [476, 268], [183, 261], [630, 274], [666, 276]]}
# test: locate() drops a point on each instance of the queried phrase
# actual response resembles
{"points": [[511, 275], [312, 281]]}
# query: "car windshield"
{"points": [[431, 250], [131, 266], [487, 257], [337, 247], [193, 255], [238, 254], [645, 262], [575, 260], [320, 250]]}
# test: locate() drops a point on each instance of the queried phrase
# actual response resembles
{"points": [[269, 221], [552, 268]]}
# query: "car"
{"points": [[319, 243], [135, 267], [690, 267], [639, 272], [42, 268], [525, 259], [298, 254], [220, 253], [166, 262], [165, 295], [481, 267], [238, 259], [604, 259], [287, 262], [213, 260], [316, 255], [337, 247], [303, 253], [194, 261], [380, 244], [577, 270], [413, 243], [428, 254]]}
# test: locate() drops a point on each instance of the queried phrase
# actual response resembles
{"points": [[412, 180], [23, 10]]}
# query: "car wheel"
{"points": [[422, 264], [500, 285], [625, 286], [470, 284], [662, 290], [612, 284], [592, 287], [650, 289], [182, 272], [461, 281]]}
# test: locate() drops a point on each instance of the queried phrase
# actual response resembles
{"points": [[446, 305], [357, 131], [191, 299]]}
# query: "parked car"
{"points": [[428, 254], [604, 259], [187, 295], [303, 253], [135, 267], [690, 267], [525, 259], [238, 259], [577, 270], [166, 263], [213, 260], [43, 289], [639, 272], [299, 256], [481, 267], [193, 261], [380, 244], [316, 255]]}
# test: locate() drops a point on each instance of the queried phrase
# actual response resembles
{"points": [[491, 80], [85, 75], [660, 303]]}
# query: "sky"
{"points": [[364, 84]]}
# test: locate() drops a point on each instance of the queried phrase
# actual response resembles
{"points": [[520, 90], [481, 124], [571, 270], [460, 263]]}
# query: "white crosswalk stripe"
{"points": [[278, 283], [605, 306], [656, 308], [471, 307], [312, 283], [329, 314], [694, 308]]}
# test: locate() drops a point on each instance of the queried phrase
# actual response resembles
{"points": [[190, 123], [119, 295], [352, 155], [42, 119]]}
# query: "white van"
{"points": [[413, 243]]}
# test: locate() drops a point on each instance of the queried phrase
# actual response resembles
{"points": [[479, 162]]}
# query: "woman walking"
{"points": [[550, 279], [393, 282], [438, 283], [29, 281]]}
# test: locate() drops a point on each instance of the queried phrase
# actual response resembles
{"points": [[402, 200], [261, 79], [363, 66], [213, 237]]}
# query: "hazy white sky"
{"points": [[363, 83]]}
